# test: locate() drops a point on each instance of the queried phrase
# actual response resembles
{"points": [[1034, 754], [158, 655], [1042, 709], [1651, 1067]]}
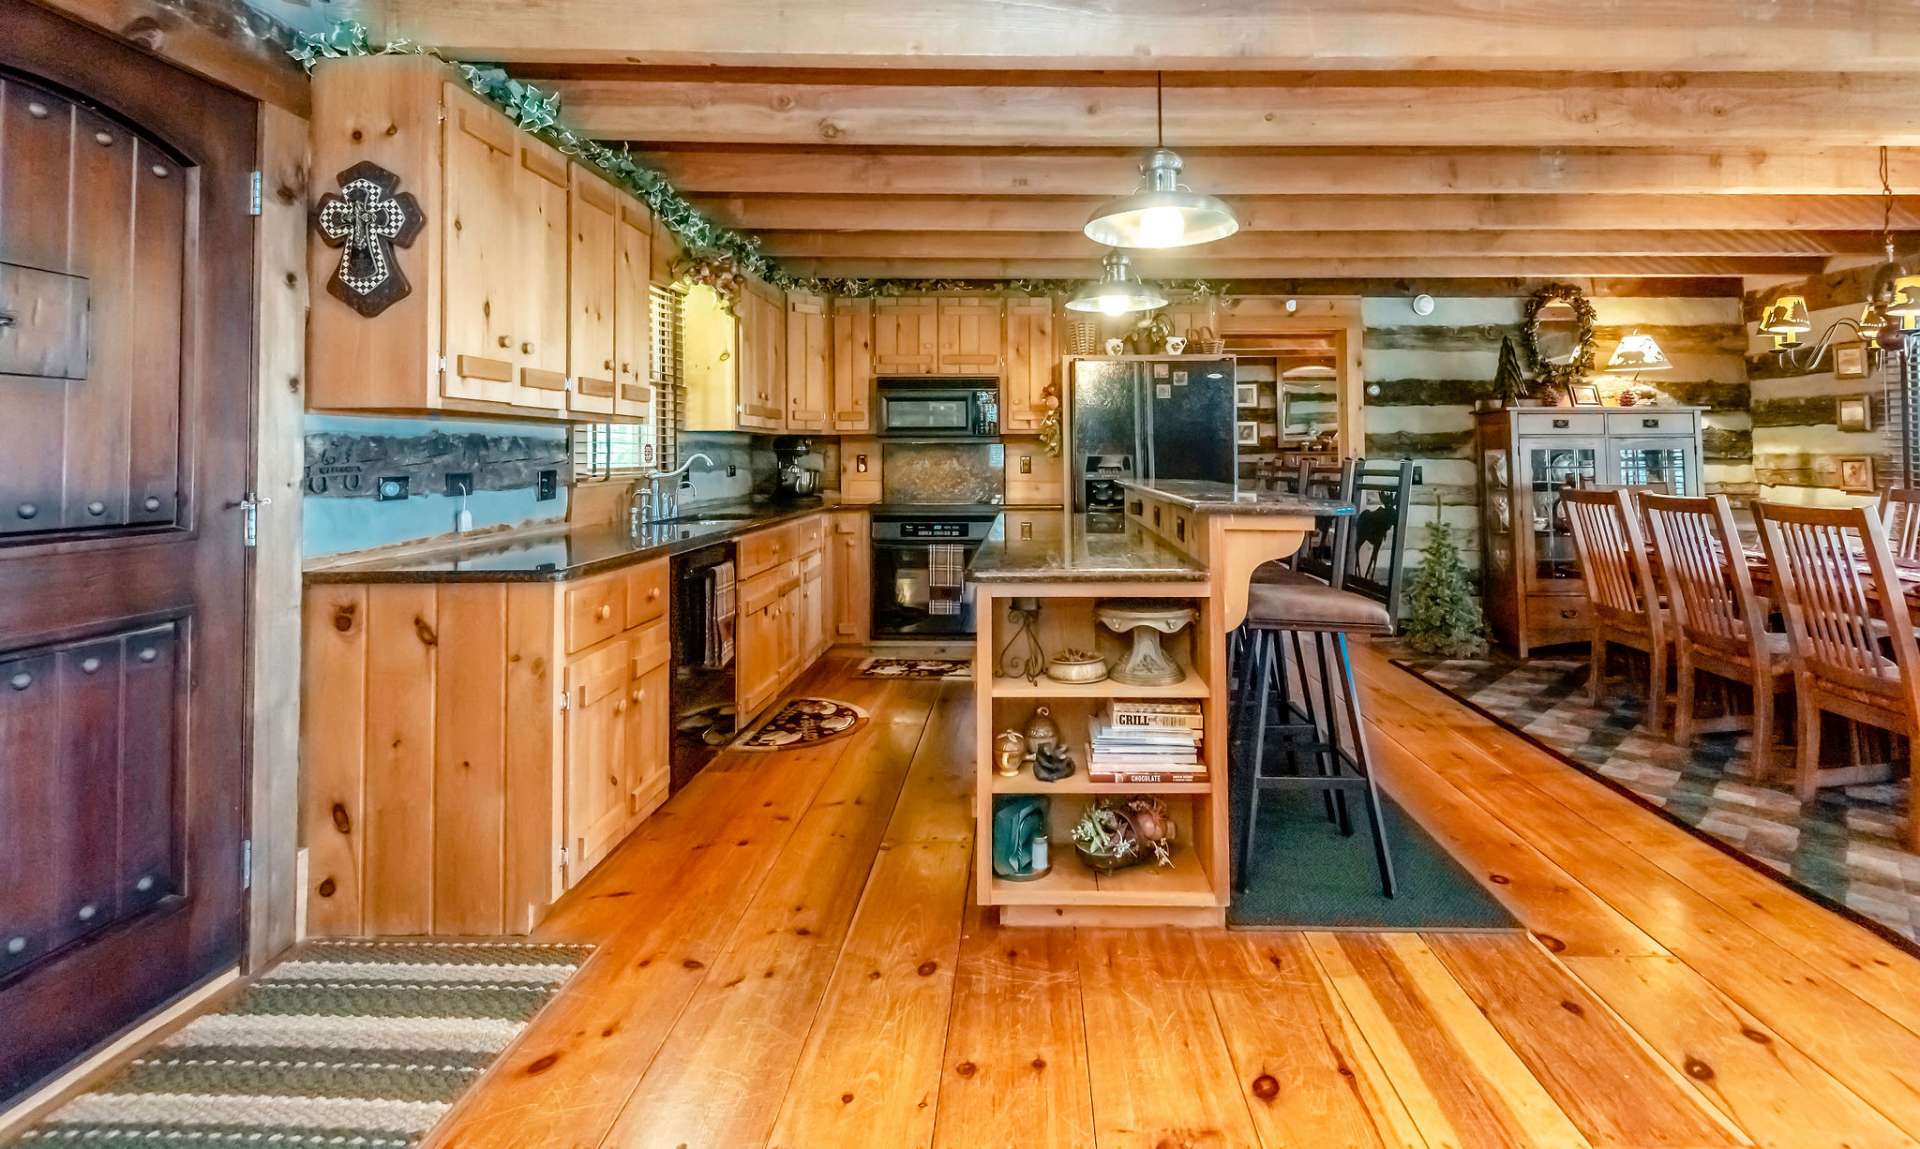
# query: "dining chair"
{"points": [[1900, 514], [1612, 548], [1719, 623], [1850, 634]]}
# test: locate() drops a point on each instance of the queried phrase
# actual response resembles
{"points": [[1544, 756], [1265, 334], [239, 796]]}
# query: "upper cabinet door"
{"points": [[593, 209], [905, 336], [763, 338], [633, 311], [540, 185], [969, 335], [481, 293], [851, 366], [1030, 362], [808, 357]]}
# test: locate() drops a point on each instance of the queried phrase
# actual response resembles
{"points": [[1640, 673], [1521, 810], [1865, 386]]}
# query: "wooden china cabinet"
{"points": [[1526, 457]]}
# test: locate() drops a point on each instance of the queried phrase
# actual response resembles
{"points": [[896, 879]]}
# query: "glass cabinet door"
{"points": [[1553, 465], [1656, 462]]}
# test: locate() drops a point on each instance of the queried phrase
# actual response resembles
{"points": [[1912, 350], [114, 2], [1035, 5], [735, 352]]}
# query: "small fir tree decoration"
{"points": [[1443, 616], [1509, 381]]}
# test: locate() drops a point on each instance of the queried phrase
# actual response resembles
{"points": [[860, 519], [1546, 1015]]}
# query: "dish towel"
{"points": [[946, 578], [720, 609]]}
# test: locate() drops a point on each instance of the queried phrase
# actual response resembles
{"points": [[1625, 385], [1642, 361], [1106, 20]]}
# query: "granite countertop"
{"points": [[556, 553], [1062, 549], [1226, 498]]}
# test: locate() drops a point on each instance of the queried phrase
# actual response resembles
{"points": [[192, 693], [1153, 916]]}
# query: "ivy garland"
{"points": [[715, 254], [1560, 374]]}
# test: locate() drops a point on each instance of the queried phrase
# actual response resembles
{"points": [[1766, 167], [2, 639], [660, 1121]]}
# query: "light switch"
{"points": [[1026, 464]]}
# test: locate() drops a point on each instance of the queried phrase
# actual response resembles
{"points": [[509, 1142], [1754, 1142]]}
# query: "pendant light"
{"points": [[1116, 292], [1162, 212], [1787, 316]]}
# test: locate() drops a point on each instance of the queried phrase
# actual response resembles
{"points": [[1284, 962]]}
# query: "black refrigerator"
{"points": [[1150, 418]]}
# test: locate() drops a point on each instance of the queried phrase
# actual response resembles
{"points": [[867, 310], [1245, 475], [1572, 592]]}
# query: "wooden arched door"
{"points": [[125, 364]]}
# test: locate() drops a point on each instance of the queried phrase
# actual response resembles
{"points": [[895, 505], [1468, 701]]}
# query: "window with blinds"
{"points": [[603, 450]]}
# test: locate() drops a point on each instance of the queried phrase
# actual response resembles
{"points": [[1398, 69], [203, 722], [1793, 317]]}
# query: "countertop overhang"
{"points": [[1213, 498], [1051, 546]]}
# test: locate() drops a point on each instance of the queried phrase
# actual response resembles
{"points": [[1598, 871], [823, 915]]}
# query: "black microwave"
{"points": [[940, 409]]}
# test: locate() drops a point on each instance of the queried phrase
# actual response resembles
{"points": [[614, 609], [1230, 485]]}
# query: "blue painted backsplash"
{"points": [[347, 455]]}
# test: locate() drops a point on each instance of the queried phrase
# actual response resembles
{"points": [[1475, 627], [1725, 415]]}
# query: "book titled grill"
{"points": [[1154, 715]]}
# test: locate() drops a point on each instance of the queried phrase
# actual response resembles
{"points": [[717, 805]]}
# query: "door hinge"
{"points": [[254, 192], [560, 857], [443, 367], [566, 701], [246, 864]]}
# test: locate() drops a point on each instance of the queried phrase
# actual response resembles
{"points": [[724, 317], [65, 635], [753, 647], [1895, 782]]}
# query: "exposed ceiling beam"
{"points": [[1782, 169], [1323, 213], [1860, 35], [1455, 267], [785, 245], [1351, 109]]}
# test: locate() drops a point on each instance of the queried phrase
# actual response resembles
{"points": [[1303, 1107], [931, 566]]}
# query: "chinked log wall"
{"points": [[1429, 370], [1797, 441]]}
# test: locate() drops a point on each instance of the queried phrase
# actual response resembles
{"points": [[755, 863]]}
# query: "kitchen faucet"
{"points": [[650, 503]]}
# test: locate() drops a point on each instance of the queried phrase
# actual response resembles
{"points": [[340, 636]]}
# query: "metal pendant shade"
{"points": [[1116, 292], [1162, 213], [1906, 297], [1787, 316]]}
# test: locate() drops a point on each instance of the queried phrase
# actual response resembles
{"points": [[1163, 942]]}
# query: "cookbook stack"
{"points": [[1145, 743]]}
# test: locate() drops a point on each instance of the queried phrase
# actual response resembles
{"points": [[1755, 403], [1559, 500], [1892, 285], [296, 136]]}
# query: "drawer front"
{"points": [[810, 535], [1560, 422], [1558, 618], [1648, 423], [810, 565], [651, 648], [596, 611], [764, 549], [646, 592]]}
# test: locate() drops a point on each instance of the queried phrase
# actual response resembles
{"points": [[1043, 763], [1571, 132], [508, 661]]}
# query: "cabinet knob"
{"points": [[653, 594], [620, 707], [605, 611], [626, 368], [638, 695], [608, 365], [526, 347], [506, 341]]}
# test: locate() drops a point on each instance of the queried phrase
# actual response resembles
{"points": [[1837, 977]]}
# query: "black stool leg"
{"points": [[1262, 665], [1352, 691], [1334, 799]]}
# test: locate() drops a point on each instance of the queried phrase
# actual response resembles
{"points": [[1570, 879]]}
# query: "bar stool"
{"points": [[1285, 607]]}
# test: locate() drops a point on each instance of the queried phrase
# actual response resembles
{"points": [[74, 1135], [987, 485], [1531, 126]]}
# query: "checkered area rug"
{"points": [[350, 1044], [1843, 849]]}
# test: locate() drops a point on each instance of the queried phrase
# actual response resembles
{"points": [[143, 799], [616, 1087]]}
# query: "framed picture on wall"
{"points": [[1583, 394], [1854, 412], [1850, 360], [1246, 395], [1856, 474], [1247, 433]]}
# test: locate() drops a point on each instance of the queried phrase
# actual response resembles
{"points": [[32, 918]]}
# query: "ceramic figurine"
{"points": [[1020, 850], [1043, 733], [1052, 763], [1010, 752]]}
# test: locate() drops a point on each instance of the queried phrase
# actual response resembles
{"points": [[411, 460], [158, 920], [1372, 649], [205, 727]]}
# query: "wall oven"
{"points": [[919, 408], [919, 571]]}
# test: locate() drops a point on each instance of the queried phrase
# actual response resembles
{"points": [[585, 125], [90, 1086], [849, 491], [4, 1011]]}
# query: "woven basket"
{"points": [[1083, 337], [1202, 341]]}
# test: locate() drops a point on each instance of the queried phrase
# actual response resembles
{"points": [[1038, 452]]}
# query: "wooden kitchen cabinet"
{"points": [[763, 359], [906, 336], [813, 638], [633, 313], [761, 656], [515, 301], [850, 555], [809, 364], [970, 335], [520, 728], [735, 362], [593, 276], [781, 623], [1031, 364], [851, 364]]}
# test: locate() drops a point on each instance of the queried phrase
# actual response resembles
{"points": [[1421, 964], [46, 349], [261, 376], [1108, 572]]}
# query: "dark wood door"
{"points": [[125, 364]]}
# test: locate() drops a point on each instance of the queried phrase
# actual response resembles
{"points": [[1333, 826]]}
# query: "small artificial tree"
{"points": [[1443, 613], [1509, 381]]}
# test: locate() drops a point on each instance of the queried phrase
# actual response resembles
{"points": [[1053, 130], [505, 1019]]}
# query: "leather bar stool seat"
{"points": [[1288, 600]]}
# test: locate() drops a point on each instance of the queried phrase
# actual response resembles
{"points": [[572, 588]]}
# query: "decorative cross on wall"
{"points": [[367, 220]]}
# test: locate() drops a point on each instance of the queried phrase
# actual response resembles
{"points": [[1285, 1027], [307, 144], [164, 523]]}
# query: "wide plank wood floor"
{"points": [[789, 955]]}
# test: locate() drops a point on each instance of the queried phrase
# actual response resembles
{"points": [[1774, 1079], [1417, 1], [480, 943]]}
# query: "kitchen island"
{"points": [[1180, 546]]}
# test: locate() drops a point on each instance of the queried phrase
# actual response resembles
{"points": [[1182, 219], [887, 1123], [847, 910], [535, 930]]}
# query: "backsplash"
{"points": [[348, 456], [755, 467], [942, 472]]}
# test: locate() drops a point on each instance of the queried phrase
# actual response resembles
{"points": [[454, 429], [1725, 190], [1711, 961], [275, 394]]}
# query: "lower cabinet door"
{"points": [[759, 656], [648, 721], [597, 803]]}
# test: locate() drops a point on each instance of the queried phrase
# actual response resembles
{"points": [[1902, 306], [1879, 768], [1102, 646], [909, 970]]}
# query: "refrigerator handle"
{"points": [[1143, 387]]}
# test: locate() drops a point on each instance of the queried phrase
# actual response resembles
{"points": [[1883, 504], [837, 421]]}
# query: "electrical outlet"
{"points": [[1026, 464], [860, 464], [1418, 475], [391, 488], [547, 486], [732, 470], [459, 483]]}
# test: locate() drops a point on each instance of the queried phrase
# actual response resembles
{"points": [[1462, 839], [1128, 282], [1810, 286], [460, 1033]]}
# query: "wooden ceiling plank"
{"points": [[1776, 170], [1455, 267], [1861, 35], [1286, 110], [784, 245], [1323, 213]]}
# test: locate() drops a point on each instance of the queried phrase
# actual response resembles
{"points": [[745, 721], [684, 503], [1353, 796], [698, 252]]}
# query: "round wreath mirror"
{"points": [[1559, 331]]}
